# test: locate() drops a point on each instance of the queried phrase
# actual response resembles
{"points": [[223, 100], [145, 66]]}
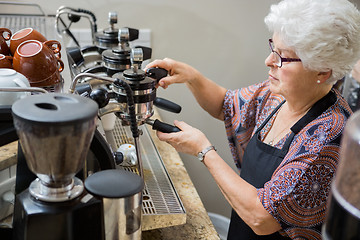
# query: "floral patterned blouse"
{"points": [[297, 192]]}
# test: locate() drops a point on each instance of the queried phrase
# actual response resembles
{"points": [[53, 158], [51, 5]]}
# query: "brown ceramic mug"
{"points": [[5, 35], [5, 61], [24, 35], [36, 61]]}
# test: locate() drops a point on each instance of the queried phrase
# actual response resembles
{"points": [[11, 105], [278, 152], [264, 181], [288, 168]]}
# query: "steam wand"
{"points": [[75, 15]]}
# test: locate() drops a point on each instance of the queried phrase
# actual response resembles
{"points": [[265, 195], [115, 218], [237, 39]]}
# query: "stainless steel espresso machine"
{"points": [[132, 85]]}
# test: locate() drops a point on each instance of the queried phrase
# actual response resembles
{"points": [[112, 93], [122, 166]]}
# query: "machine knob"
{"points": [[100, 96], [73, 17], [119, 157], [113, 18]]}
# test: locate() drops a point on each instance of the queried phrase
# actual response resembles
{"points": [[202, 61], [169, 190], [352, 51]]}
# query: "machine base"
{"points": [[340, 223], [81, 218]]}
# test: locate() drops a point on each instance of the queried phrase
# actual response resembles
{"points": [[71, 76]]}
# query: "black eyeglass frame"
{"points": [[281, 58]]}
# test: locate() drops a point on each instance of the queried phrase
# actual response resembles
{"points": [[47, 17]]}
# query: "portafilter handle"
{"points": [[161, 126], [157, 73]]}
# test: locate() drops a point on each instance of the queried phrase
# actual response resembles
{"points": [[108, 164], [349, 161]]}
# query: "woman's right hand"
{"points": [[178, 72]]}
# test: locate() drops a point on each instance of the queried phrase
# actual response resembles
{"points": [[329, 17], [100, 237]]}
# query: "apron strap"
{"points": [[269, 117], [316, 110]]}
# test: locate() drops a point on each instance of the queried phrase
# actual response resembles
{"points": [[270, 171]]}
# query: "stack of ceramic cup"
{"points": [[5, 58], [32, 55], [9, 78]]}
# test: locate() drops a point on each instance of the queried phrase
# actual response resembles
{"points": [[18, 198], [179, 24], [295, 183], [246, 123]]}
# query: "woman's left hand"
{"points": [[189, 140]]}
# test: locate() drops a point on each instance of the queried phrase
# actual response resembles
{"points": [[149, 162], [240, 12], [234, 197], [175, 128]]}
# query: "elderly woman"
{"points": [[284, 133]]}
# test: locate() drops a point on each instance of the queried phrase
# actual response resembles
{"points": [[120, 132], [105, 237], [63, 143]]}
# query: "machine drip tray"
{"points": [[162, 206]]}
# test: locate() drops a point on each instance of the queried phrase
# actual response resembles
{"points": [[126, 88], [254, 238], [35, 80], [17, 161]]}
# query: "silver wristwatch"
{"points": [[201, 154]]}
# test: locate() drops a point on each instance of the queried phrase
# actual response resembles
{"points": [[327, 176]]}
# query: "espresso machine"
{"points": [[131, 95], [142, 86], [343, 214], [55, 131]]}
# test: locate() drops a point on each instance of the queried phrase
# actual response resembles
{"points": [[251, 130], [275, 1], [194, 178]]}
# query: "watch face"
{"points": [[203, 152]]}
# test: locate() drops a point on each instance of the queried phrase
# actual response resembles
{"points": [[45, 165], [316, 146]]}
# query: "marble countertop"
{"points": [[198, 224]]}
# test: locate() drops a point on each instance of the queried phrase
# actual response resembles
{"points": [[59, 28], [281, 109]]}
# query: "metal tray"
{"points": [[162, 206]]}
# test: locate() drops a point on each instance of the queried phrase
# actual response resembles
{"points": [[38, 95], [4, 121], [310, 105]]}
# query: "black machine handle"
{"points": [[156, 73], [161, 126], [146, 52], [167, 105], [133, 34], [76, 55]]}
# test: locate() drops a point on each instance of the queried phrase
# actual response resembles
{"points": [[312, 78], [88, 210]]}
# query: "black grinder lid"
{"points": [[55, 108], [114, 183]]}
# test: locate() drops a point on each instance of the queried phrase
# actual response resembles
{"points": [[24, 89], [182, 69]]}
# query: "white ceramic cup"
{"points": [[129, 153], [108, 121], [11, 78]]}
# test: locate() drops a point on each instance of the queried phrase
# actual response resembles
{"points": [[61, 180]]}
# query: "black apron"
{"points": [[260, 160]]}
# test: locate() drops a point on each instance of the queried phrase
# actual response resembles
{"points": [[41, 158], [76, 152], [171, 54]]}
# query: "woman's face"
{"points": [[292, 80]]}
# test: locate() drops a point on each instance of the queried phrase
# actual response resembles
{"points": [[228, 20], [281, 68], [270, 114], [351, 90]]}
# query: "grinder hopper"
{"points": [[55, 131]]}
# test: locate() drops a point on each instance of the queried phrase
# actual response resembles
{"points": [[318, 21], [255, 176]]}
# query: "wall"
{"points": [[226, 40]]}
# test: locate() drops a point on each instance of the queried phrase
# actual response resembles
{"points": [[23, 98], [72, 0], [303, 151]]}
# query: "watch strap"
{"points": [[201, 155]]}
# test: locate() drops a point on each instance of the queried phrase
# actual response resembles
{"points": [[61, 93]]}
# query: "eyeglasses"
{"points": [[278, 59]]}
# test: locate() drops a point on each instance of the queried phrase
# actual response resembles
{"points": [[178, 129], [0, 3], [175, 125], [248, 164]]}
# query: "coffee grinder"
{"points": [[55, 131]]}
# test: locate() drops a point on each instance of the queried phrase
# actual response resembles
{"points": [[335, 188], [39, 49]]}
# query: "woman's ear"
{"points": [[323, 76]]}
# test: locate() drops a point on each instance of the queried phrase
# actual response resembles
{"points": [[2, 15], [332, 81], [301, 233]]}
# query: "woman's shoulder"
{"points": [[257, 90], [326, 129], [255, 94], [337, 114], [342, 104]]}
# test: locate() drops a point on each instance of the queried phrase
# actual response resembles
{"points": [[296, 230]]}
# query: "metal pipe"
{"points": [[112, 107], [83, 75], [67, 10], [23, 89], [138, 155]]}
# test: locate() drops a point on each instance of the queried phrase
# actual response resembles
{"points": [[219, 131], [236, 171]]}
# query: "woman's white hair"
{"points": [[325, 34]]}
